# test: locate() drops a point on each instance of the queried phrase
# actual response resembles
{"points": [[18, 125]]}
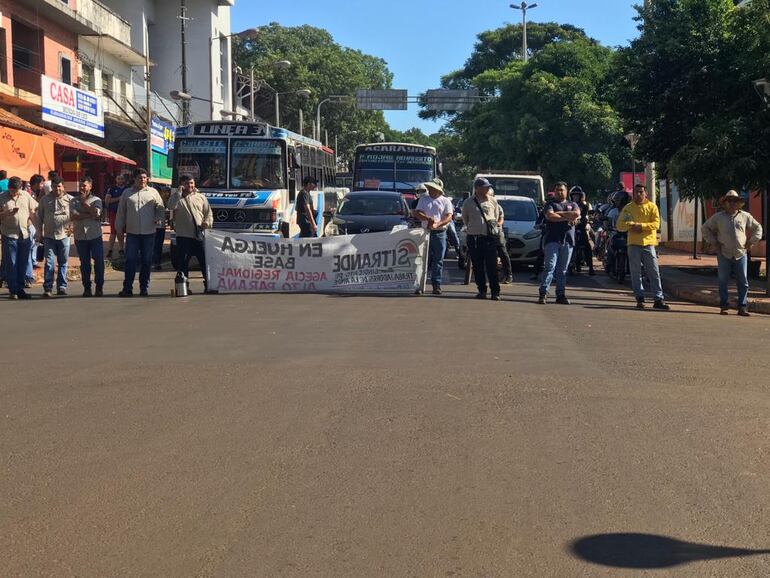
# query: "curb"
{"points": [[708, 297]]}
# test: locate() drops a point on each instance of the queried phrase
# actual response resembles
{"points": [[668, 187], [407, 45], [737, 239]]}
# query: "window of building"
{"points": [[65, 69], [87, 79], [222, 69], [108, 82], [3, 58]]}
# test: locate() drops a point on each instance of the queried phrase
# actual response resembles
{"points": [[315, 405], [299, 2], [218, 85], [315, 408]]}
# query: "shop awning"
{"points": [[72, 142], [25, 150]]}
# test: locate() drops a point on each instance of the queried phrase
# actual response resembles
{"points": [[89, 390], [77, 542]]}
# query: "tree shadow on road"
{"points": [[649, 551]]}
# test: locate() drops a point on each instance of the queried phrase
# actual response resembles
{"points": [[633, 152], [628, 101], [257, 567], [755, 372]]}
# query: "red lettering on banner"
{"points": [[63, 94]]}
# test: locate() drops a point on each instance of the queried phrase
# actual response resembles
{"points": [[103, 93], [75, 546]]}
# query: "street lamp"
{"points": [[524, 7], [178, 95], [302, 92], [248, 33], [333, 98]]}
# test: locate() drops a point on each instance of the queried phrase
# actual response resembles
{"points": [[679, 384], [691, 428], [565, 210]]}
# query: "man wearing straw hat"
{"points": [[435, 211], [732, 232]]}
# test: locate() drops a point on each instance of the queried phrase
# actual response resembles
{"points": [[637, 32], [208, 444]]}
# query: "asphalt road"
{"points": [[306, 435]]}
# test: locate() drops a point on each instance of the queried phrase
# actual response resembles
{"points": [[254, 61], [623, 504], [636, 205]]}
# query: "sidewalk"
{"points": [[690, 280]]}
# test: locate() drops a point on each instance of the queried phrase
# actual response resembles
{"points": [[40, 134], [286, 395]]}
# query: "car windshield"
{"points": [[516, 186], [203, 159], [371, 206], [398, 172], [518, 210], [257, 164]]}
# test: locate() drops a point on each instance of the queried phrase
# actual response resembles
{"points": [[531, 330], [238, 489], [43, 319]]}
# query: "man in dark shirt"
{"points": [[561, 216], [583, 230], [305, 209]]}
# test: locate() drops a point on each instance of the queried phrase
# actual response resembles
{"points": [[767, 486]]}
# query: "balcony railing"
{"points": [[89, 17]]}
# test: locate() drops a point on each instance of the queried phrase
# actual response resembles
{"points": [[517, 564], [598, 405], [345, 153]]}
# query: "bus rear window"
{"points": [[203, 159]]}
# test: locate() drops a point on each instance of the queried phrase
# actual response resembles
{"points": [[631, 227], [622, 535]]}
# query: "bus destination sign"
{"points": [[397, 148], [230, 129]]}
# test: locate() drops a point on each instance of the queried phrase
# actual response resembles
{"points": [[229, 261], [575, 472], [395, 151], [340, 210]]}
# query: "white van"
{"points": [[516, 185]]}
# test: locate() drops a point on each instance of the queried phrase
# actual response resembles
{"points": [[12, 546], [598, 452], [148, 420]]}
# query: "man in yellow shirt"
{"points": [[641, 220]]}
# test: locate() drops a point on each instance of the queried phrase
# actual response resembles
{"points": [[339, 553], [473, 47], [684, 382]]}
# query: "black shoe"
{"points": [[87, 293], [724, 311], [437, 289], [481, 295], [13, 296], [157, 268], [418, 292], [144, 293], [27, 284], [496, 297], [61, 292], [126, 293], [661, 305], [24, 295], [743, 312], [542, 300], [562, 300], [640, 303], [99, 292], [508, 280]]}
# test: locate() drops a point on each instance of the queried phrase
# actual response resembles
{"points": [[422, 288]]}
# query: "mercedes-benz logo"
{"points": [[364, 230], [240, 216], [222, 215]]}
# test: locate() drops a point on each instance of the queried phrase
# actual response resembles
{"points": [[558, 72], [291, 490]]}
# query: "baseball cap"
{"points": [[481, 182]]}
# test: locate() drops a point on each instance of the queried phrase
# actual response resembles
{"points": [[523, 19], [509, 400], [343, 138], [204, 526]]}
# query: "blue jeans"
{"points": [[452, 237], [30, 275], [57, 252], [436, 256], [738, 267], [647, 255], [15, 259], [137, 245], [87, 250], [157, 250], [556, 258]]}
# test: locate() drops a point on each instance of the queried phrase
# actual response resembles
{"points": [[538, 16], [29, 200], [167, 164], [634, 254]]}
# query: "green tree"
{"points": [[323, 66], [551, 115], [685, 86]]}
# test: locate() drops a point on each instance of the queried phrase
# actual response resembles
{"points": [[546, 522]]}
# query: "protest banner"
{"points": [[368, 263]]}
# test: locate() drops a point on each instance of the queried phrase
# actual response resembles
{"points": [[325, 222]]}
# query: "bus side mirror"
{"points": [[297, 160]]}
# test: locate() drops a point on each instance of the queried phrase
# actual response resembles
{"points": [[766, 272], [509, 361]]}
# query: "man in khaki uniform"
{"points": [[87, 218], [191, 215], [139, 211], [55, 218], [17, 209]]}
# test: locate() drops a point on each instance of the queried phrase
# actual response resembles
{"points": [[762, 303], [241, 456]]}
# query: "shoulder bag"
{"points": [[493, 229]]}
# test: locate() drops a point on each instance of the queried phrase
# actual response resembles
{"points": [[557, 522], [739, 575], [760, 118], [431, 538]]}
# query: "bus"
{"points": [[392, 166], [251, 173], [521, 184]]}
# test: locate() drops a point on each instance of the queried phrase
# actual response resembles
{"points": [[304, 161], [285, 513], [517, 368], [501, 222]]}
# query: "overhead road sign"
{"points": [[445, 100], [382, 99]]}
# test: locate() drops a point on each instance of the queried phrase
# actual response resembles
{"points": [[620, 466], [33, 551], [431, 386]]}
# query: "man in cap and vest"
{"points": [[732, 232], [435, 211]]}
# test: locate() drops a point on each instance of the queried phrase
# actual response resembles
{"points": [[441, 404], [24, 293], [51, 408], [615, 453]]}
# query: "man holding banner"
{"points": [[435, 211], [190, 215]]}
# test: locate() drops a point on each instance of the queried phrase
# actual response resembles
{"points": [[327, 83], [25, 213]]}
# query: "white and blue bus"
{"points": [[394, 166], [251, 173]]}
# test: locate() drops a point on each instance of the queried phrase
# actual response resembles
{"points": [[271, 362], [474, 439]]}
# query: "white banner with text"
{"points": [[366, 263]]}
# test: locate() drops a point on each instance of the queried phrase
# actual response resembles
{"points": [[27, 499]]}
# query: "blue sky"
{"points": [[421, 40]]}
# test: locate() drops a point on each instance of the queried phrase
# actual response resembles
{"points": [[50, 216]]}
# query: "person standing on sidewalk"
{"points": [[435, 210], [483, 218], [305, 209], [55, 219], [17, 210], [139, 211], [87, 219], [732, 232], [36, 190], [190, 216], [111, 202], [641, 220], [584, 237], [561, 215]]}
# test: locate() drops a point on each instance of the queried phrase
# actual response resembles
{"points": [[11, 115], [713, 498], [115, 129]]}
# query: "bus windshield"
{"points": [[203, 159], [257, 164], [517, 186], [395, 172]]}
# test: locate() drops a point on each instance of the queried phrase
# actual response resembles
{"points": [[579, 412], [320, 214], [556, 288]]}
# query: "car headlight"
{"points": [[533, 234]]}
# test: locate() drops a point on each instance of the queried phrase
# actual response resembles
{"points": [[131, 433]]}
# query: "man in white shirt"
{"points": [[435, 211]]}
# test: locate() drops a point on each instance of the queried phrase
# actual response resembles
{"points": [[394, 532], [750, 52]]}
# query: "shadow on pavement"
{"points": [[649, 551]]}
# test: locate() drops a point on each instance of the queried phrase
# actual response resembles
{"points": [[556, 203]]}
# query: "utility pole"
{"points": [[524, 7], [650, 175], [185, 103], [147, 104]]}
